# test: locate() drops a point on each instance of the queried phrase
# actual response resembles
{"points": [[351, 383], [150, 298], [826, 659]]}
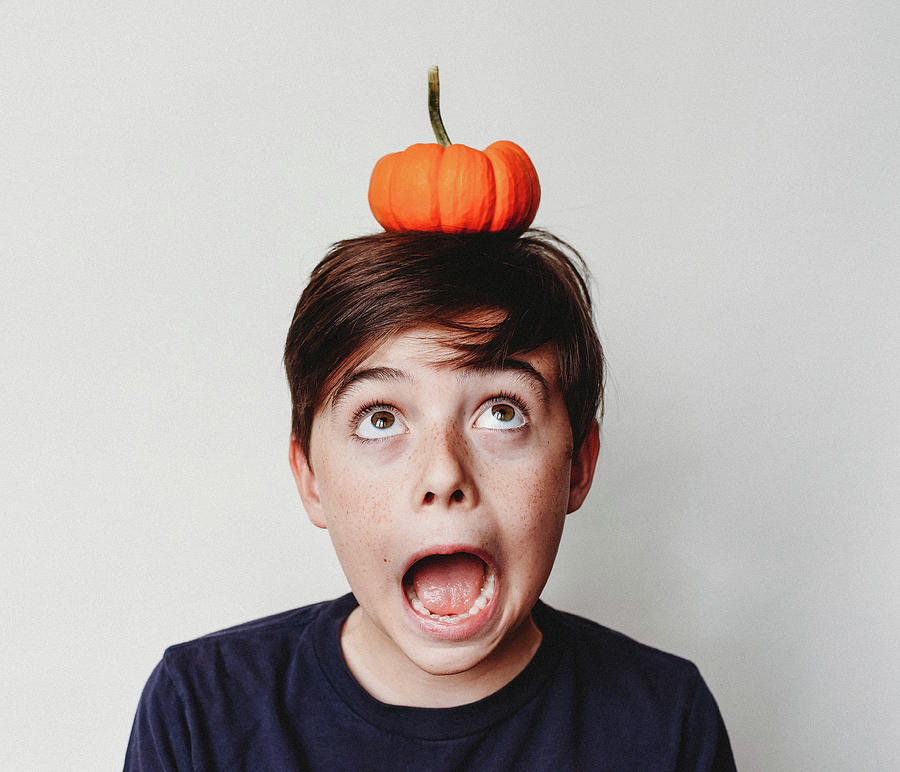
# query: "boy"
{"points": [[445, 390]]}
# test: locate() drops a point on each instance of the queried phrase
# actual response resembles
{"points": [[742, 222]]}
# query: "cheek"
{"points": [[359, 513], [535, 497]]}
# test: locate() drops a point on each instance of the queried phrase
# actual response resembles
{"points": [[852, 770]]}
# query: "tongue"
{"points": [[448, 584]]}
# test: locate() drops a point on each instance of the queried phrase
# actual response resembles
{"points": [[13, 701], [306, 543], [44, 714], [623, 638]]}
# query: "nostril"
{"points": [[457, 497]]}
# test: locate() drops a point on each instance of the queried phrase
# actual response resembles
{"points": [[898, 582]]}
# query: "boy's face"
{"points": [[415, 457]]}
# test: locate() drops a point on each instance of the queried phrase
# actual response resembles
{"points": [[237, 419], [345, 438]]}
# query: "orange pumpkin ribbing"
{"points": [[456, 189], [518, 189]]}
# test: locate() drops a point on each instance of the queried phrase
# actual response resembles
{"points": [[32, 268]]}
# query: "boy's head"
{"points": [[444, 392], [498, 293]]}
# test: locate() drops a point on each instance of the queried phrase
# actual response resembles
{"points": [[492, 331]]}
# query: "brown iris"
{"points": [[504, 413], [382, 419]]}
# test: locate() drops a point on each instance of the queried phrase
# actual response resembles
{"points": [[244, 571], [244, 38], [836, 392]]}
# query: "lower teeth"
{"points": [[484, 597]]}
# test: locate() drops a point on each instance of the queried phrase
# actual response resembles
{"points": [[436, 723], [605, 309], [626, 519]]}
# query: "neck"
{"points": [[390, 676]]}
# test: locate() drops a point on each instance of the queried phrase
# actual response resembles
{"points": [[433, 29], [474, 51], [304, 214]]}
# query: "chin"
{"points": [[449, 661]]}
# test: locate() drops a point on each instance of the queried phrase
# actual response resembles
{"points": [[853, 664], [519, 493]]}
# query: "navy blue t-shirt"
{"points": [[276, 694]]}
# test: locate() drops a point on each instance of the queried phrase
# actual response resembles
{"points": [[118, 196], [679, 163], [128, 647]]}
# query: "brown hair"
{"points": [[368, 289]]}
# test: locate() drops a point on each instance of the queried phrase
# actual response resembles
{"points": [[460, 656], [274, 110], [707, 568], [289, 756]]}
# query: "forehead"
{"points": [[445, 351]]}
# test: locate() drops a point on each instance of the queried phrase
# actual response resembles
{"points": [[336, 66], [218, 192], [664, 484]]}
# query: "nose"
{"points": [[445, 476]]}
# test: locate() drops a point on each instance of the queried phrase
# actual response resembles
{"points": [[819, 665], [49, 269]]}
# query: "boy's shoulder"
{"points": [[289, 621], [612, 655], [268, 640], [645, 697]]}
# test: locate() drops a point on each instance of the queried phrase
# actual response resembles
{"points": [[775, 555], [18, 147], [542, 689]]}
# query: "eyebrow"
{"points": [[384, 374], [391, 374], [522, 369]]}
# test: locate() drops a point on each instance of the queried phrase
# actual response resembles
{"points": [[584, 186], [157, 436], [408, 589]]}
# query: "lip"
{"points": [[453, 631], [444, 549]]}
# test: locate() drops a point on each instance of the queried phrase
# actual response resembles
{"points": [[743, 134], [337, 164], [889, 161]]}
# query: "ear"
{"points": [[584, 461], [307, 485]]}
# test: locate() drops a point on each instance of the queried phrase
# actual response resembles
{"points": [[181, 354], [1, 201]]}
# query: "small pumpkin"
{"points": [[454, 188]]}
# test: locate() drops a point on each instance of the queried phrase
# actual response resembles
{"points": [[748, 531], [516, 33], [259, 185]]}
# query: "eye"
{"points": [[377, 422], [501, 414]]}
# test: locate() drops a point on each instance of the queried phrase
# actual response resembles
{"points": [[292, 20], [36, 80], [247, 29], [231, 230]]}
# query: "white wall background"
{"points": [[169, 174]]}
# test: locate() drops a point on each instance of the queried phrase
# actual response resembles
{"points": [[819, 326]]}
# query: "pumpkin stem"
{"points": [[434, 107]]}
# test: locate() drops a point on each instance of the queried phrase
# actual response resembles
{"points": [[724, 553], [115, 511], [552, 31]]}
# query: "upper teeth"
{"points": [[487, 592]]}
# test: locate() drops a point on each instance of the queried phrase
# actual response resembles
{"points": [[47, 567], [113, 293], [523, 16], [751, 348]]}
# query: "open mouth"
{"points": [[449, 588]]}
